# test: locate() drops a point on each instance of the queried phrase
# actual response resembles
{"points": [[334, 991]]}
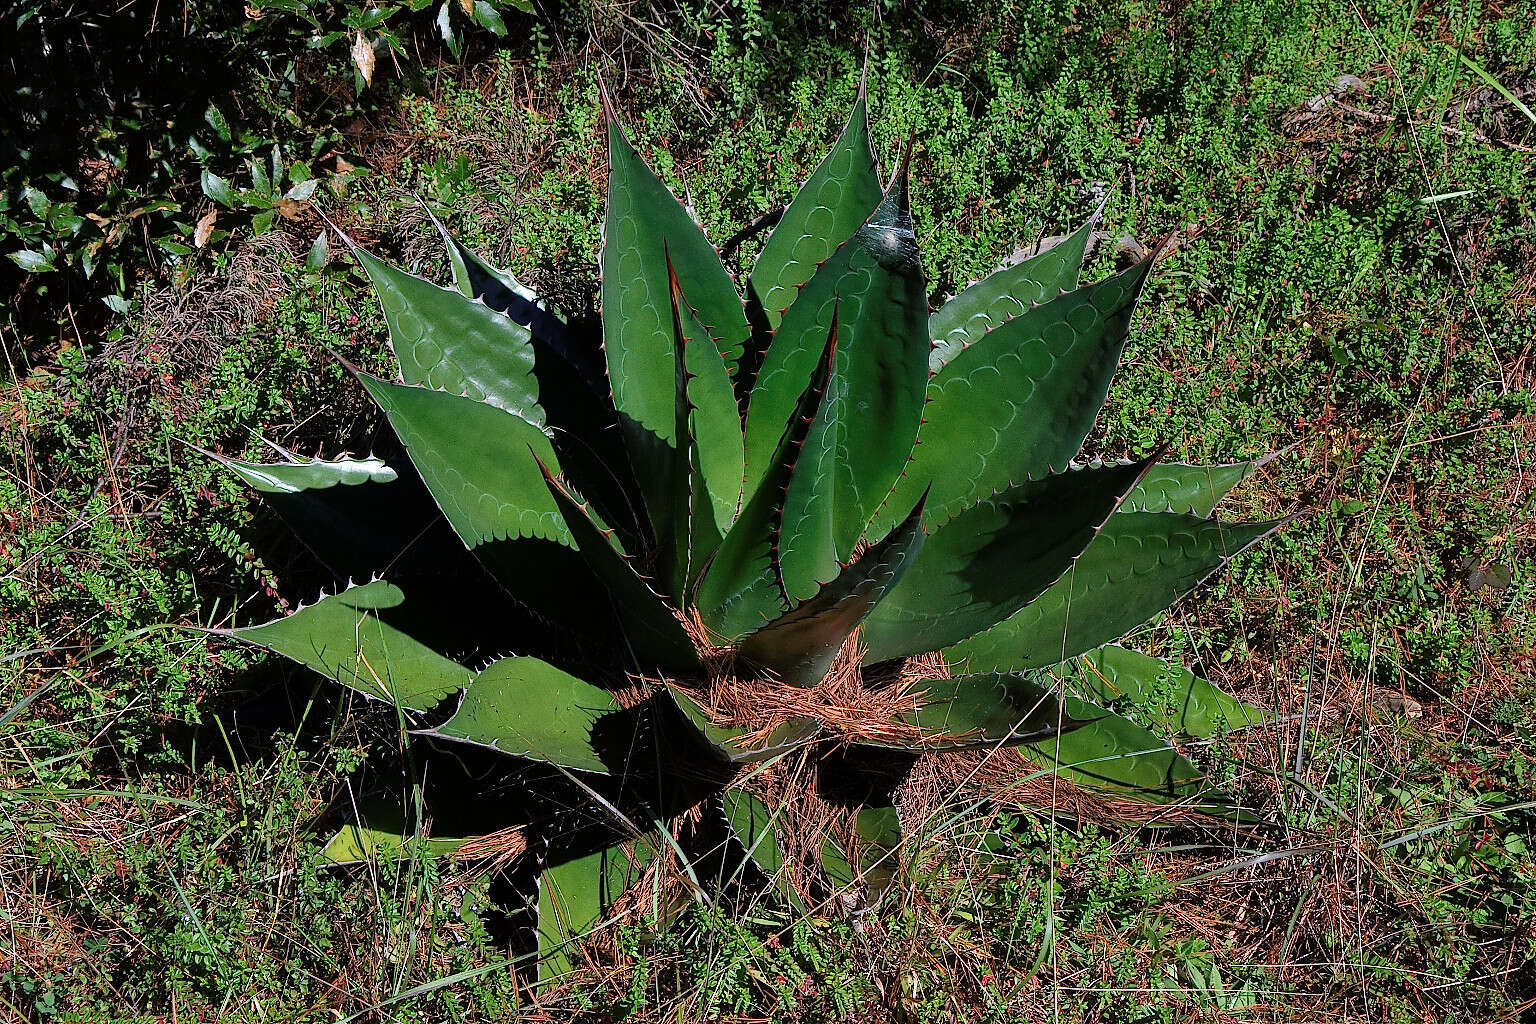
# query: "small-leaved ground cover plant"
{"points": [[752, 580]]}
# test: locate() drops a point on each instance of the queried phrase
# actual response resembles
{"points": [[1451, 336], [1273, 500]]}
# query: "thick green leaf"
{"points": [[655, 635], [800, 646], [572, 389], [1138, 565], [1170, 695], [1194, 490], [831, 205], [876, 842], [726, 741], [452, 343], [574, 897], [308, 474], [993, 558], [1113, 755], [741, 589], [356, 843], [384, 834], [477, 460], [645, 226], [755, 826], [877, 836], [529, 708], [985, 710], [474, 277], [992, 301], [1019, 402], [359, 517], [872, 287], [706, 468], [344, 637]]}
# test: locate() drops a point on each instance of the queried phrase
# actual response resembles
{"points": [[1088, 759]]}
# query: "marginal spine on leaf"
{"points": [[793, 443]]}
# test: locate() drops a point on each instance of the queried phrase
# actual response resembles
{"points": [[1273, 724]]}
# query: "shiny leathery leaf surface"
{"points": [[832, 204], [731, 743], [645, 227], [530, 708], [742, 589], [986, 709], [1178, 487], [1112, 755], [754, 825], [1018, 403], [347, 637], [993, 557], [475, 278], [354, 844], [1137, 565], [800, 645], [873, 860], [448, 342], [1171, 695], [480, 462], [994, 300], [706, 467], [574, 899], [873, 288], [309, 474]]}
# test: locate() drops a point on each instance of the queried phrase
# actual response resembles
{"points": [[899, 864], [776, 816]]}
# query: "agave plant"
{"points": [[781, 550]]}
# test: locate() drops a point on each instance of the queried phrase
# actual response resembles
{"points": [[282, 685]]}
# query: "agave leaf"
{"points": [[480, 463], [646, 226], [831, 205], [1020, 401], [984, 710], [872, 287], [655, 635], [800, 646], [726, 741], [876, 842], [755, 827], [1138, 565], [992, 301], [706, 468], [1113, 755], [584, 432], [1198, 708], [358, 843], [572, 390], [573, 899], [345, 637], [452, 343], [500, 290], [877, 837], [383, 832], [741, 589], [298, 475], [529, 708], [357, 516], [993, 558], [1193, 490]]}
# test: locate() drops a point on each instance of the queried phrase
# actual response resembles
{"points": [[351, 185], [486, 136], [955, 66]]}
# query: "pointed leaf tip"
{"points": [[899, 187]]}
